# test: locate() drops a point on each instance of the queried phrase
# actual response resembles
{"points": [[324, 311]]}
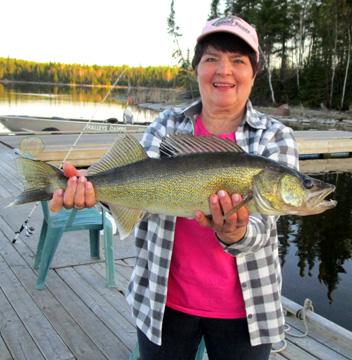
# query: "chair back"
{"points": [[47, 216]]}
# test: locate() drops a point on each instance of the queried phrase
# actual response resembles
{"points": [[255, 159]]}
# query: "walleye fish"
{"points": [[195, 167]]}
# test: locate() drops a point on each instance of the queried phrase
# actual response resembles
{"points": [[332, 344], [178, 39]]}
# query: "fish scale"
{"points": [[180, 183], [173, 186]]}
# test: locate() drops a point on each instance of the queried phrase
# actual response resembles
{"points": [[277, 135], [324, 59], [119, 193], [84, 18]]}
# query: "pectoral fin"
{"points": [[126, 219], [245, 200]]}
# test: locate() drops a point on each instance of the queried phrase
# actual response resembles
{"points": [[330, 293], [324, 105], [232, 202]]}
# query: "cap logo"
{"points": [[231, 21]]}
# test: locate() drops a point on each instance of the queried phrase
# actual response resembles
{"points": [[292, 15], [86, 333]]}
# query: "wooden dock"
{"points": [[324, 143], [76, 316], [91, 147]]}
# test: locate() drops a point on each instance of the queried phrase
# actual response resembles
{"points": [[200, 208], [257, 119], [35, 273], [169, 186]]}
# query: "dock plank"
{"points": [[4, 193], [110, 345], [110, 316], [12, 188], [73, 335], [5, 355], [125, 269], [103, 344], [320, 342], [19, 343], [277, 356], [294, 352], [94, 274], [39, 328]]}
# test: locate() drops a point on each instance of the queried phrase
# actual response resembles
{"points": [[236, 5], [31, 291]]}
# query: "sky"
{"points": [[102, 32]]}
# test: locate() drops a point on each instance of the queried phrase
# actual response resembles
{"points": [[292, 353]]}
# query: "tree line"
{"points": [[305, 50], [151, 76]]}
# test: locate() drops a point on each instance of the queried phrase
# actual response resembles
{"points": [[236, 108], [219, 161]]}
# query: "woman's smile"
{"points": [[223, 85]]}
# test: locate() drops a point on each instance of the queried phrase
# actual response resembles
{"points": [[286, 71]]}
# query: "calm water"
{"points": [[315, 251], [316, 255], [70, 102]]}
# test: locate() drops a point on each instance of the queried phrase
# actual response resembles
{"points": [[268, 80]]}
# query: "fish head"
{"points": [[304, 195], [287, 191]]}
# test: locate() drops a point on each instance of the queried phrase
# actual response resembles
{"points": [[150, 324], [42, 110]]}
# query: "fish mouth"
{"points": [[316, 200]]}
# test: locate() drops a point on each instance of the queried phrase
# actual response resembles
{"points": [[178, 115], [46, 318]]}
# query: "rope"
{"points": [[301, 314]]}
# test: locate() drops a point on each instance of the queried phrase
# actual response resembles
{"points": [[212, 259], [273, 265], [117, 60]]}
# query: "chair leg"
{"points": [[49, 249], [39, 252], [109, 256], [134, 355], [201, 350], [94, 238]]}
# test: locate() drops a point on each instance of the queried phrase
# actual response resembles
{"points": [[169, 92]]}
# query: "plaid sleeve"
{"points": [[152, 136]]}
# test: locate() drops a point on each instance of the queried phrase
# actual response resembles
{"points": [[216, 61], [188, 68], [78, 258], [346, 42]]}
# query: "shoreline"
{"points": [[298, 116]]}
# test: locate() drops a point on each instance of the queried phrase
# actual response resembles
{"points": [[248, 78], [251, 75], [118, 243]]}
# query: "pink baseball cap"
{"points": [[234, 25]]}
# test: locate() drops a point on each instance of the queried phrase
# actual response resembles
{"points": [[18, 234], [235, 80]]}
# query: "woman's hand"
{"points": [[234, 227], [79, 192]]}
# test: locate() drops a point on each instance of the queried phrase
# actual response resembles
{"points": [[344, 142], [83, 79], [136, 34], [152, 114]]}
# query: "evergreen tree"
{"points": [[214, 9]]}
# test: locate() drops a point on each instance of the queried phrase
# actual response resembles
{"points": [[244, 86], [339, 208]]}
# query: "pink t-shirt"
{"points": [[203, 278]]}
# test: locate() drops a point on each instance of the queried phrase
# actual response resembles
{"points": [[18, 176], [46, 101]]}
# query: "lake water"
{"points": [[316, 255], [315, 251], [68, 102]]}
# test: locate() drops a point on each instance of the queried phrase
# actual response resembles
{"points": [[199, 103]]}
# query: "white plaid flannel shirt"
{"points": [[257, 253]]}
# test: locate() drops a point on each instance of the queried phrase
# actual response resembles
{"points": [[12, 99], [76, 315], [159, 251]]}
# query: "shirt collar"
{"points": [[193, 110], [251, 116]]}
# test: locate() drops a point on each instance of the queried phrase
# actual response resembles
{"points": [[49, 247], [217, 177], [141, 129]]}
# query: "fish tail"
{"points": [[40, 180]]}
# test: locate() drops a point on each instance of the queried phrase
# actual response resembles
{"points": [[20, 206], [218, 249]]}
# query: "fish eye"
{"points": [[308, 183]]}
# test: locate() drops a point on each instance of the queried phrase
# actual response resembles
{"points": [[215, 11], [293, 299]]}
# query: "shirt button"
{"points": [[244, 285], [250, 316]]}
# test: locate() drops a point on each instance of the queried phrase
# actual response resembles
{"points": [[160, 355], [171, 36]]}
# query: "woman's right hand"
{"points": [[79, 192]]}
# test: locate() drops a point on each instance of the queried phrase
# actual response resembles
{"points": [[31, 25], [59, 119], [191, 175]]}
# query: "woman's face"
{"points": [[225, 79]]}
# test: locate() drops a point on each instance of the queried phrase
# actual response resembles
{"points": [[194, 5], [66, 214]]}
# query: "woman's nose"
{"points": [[224, 67]]}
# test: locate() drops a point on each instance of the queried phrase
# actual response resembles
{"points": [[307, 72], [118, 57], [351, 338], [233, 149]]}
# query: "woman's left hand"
{"points": [[234, 227]]}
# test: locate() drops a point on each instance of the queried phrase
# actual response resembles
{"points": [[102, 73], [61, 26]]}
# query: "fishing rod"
{"points": [[30, 230]]}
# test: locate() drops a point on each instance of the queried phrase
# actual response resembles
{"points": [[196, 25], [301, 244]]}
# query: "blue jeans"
{"points": [[225, 339]]}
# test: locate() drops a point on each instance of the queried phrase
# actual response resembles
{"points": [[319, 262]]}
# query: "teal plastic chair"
{"points": [[199, 355], [53, 228]]}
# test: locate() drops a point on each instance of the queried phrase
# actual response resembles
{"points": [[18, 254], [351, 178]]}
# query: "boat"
{"points": [[23, 123]]}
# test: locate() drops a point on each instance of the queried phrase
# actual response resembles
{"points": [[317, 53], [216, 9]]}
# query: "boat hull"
{"points": [[33, 124]]}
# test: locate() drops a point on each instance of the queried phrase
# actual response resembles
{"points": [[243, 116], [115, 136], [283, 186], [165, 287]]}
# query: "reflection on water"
{"points": [[69, 102], [316, 254]]}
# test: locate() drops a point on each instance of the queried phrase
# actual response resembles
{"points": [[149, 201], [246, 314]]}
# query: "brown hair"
{"points": [[225, 42]]}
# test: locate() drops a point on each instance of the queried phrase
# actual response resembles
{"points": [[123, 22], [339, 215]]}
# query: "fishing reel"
{"points": [[30, 230]]}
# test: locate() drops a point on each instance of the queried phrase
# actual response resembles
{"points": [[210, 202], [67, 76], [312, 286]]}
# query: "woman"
{"points": [[209, 277]]}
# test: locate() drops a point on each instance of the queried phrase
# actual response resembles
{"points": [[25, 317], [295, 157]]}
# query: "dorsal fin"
{"points": [[183, 144], [125, 150]]}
